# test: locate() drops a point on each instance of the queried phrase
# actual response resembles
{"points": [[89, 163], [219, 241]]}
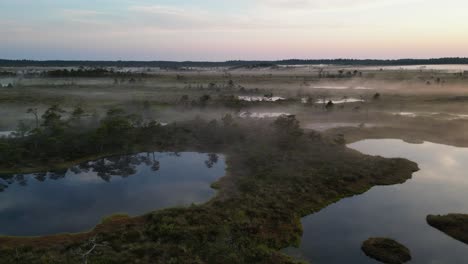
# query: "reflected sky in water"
{"points": [[335, 234], [6, 81], [77, 199]]}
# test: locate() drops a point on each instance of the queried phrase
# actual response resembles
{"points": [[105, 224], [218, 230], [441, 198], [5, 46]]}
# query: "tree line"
{"points": [[90, 73], [232, 63], [58, 136]]}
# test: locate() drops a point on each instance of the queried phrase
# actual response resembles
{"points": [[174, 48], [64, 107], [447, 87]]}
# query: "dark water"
{"points": [[77, 199], [335, 234]]}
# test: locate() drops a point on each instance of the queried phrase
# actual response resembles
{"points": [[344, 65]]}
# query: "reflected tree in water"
{"points": [[10, 179], [18, 178], [40, 176], [212, 160], [105, 168], [122, 166], [57, 175], [22, 179]]}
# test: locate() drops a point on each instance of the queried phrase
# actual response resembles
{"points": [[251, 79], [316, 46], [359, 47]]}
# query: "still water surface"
{"points": [[77, 199], [335, 234]]}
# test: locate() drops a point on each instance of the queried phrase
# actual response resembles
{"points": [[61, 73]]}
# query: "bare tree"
{"points": [[36, 115], [92, 245]]}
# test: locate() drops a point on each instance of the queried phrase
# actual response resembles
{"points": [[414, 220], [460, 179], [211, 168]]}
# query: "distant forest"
{"points": [[233, 63]]}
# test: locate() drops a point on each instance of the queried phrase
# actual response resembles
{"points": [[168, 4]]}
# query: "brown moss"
{"points": [[110, 225]]}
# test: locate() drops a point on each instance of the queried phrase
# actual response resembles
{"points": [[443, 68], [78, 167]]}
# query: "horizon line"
{"points": [[240, 60]]}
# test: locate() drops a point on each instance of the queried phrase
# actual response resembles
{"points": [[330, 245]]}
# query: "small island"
{"points": [[386, 250], [454, 225]]}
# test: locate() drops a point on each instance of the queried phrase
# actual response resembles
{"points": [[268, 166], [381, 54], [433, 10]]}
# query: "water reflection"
{"points": [[340, 101], [76, 199], [330, 125], [335, 234], [6, 134]]}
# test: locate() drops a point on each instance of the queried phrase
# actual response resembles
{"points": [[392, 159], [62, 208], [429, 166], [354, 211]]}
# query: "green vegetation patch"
{"points": [[386, 250], [454, 225]]}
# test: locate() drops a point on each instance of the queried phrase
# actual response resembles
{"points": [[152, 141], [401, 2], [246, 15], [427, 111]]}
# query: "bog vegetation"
{"points": [[277, 174]]}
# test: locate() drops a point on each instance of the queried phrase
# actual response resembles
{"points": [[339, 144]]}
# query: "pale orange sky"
{"points": [[224, 30]]}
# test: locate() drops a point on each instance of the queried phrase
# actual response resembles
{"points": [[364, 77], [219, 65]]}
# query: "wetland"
{"points": [[125, 159]]}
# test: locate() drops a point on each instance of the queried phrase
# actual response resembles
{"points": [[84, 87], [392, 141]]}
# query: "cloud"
{"points": [[87, 17], [328, 5], [81, 13], [159, 10], [8, 27], [165, 17], [187, 18], [170, 17]]}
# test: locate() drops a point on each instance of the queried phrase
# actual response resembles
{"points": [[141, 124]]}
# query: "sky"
{"points": [[218, 30]]}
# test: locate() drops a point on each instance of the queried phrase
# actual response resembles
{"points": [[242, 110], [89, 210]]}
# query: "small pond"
{"points": [[260, 98], [335, 234], [77, 199], [261, 115], [340, 101], [4, 82], [6, 134], [330, 125], [341, 87]]}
